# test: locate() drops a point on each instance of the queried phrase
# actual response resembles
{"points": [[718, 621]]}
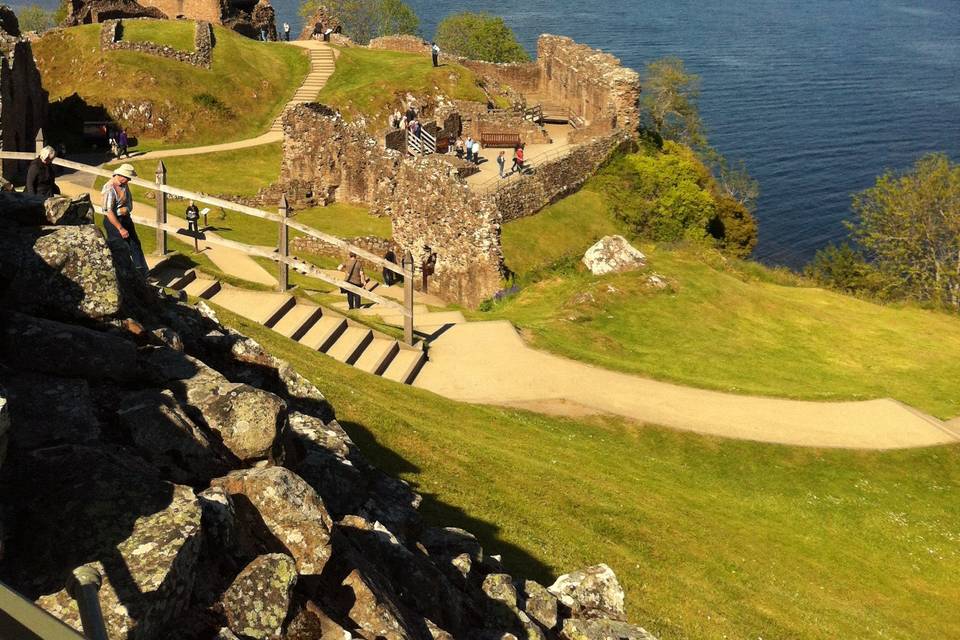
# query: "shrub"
{"points": [[843, 268], [213, 104], [480, 36]]}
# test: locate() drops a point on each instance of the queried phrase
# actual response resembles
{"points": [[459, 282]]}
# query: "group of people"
{"points": [[319, 32], [118, 141], [355, 275], [469, 150]]}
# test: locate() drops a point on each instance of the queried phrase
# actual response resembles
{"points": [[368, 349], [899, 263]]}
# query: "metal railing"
{"points": [[281, 255], [24, 620]]}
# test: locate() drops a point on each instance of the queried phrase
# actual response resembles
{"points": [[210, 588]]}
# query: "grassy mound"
{"points": [[372, 83], [711, 538], [723, 323], [237, 98]]}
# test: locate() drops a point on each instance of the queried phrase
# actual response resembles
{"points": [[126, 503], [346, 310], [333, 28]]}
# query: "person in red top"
{"points": [[517, 159]]}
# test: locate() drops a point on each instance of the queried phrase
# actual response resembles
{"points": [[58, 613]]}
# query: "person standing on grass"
{"points": [[286, 31], [435, 52], [122, 142], [356, 277], [117, 206], [41, 179], [501, 162]]}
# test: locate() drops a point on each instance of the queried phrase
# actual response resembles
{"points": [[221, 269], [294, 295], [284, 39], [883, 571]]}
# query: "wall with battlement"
{"points": [[556, 178]]}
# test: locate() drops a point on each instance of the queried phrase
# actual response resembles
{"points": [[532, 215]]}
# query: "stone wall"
{"points": [[111, 39], [23, 102], [521, 76], [403, 44], [322, 16], [591, 83], [208, 10], [331, 160], [94, 11], [556, 179]]}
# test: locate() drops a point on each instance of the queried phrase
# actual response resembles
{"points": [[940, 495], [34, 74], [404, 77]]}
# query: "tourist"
{"points": [[122, 141], [117, 206], [476, 151], [458, 147], [435, 51], [317, 31], [193, 219], [263, 34], [356, 277], [41, 176], [286, 32], [326, 35], [469, 148], [517, 159], [429, 265], [411, 113], [390, 277], [114, 145], [501, 162]]}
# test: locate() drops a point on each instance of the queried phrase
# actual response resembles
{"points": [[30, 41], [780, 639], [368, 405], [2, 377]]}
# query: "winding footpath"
{"points": [[489, 363]]}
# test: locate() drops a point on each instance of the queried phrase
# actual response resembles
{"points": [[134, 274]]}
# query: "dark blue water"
{"points": [[818, 97]]}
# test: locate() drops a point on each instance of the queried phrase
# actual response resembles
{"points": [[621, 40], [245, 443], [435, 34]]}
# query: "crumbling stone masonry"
{"points": [[328, 159], [201, 56], [23, 102]]}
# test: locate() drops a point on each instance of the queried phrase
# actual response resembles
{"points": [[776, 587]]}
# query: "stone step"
{"points": [[423, 320], [298, 321], [377, 356], [171, 278], [350, 345], [259, 306], [202, 288], [380, 310], [405, 366], [324, 332]]}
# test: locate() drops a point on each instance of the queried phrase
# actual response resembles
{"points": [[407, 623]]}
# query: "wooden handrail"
{"points": [[32, 618]]}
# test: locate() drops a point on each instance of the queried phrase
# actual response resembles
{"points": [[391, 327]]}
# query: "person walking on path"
{"points": [[476, 151], [501, 162], [356, 277], [517, 159], [435, 52], [390, 277], [122, 142], [117, 205], [286, 31], [41, 178]]}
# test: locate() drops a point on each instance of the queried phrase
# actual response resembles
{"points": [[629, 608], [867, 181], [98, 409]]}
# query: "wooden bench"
{"points": [[493, 139]]}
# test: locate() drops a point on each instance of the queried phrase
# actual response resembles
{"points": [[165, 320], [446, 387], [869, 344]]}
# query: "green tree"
{"points": [[733, 226], [844, 268], [35, 18], [480, 36], [909, 228], [669, 102], [363, 20]]}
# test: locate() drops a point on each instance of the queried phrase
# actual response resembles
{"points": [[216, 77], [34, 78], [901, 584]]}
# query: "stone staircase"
{"points": [[319, 328], [322, 65]]}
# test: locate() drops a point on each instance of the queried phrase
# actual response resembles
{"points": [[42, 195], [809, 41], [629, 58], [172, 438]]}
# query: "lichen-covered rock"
{"points": [[257, 602], [275, 505], [457, 552], [377, 611], [593, 592], [165, 435], [47, 410], [501, 601], [62, 272], [219, 517], [539, 604], [613, 254], [580, 629], [68, 211], [77, 505], [68, 350], [248, 419], [311, 623]]}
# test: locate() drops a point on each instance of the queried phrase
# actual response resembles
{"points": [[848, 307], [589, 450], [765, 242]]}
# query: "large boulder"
{"points": [[62, 210], [539, 604], [278, 512], [257, 602], [613, 254], [48, 410], [579, 629], [61, 272], [76, 505], [166, 436], [248, 420], [593, 592], [376, 608], [48, 346]]}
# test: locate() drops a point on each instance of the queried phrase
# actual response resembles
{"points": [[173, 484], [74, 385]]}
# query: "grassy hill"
{"points": [[373, 83], [712, 538], [723, 323], [237, 98]]}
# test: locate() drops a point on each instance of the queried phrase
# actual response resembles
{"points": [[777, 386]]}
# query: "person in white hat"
{"points": [[117, 205]]}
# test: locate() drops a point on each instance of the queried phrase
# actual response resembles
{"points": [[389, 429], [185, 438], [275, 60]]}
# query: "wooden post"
{"points": [[161, 210], [408, 298], [284, 246], [40, 143]]}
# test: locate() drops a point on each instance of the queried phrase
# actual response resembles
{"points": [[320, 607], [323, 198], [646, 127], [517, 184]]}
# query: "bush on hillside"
{"points": [[845, 269], [734, 227], [480, 36]]}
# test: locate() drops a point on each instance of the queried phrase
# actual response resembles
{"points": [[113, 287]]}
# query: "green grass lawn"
{"points": [[723, 324], [373, 83], [712, 538], [237, 98], [346, 221], [171, 33]]}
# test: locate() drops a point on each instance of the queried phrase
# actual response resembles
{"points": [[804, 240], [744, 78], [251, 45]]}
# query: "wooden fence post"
{"points": [[161, 210], [284, 246], [408, 298], [40, 142]]}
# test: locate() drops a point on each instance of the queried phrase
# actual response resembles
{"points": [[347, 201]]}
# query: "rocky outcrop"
{"points": [[212, 487], [613, 254], [23, 101], [92, 11]]}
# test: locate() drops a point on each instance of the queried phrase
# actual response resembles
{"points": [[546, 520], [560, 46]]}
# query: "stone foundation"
{"points": [[111, 39]]}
